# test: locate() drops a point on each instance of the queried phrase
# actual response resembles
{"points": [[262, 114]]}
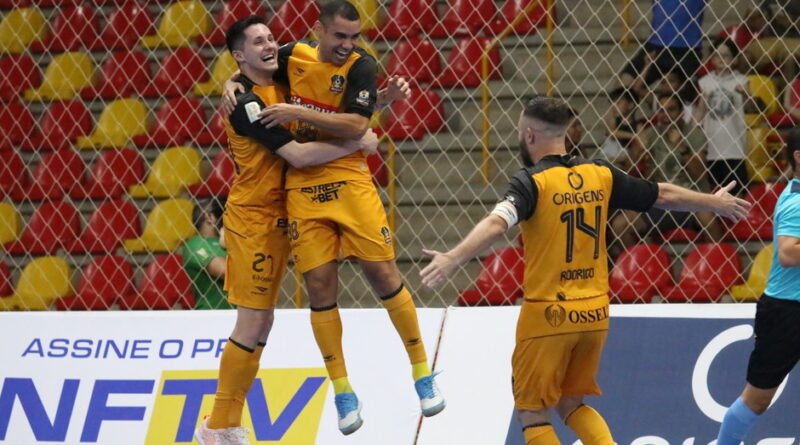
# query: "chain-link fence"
{"points": [[111, 134]]}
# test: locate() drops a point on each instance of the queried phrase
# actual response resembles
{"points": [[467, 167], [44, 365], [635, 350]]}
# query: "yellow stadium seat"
{"points": [[180, 24], [174, 170], [168, 225], [67, 74], [10, 223], [760, 161], [120, 121], [757, 281], [19, 28], [763, 88], [42, 281], [369, 12], [222, 70]]}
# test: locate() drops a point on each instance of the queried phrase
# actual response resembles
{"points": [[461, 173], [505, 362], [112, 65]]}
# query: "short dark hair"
{"points": [[234, 35], [734, 49], [624, 93], [792, 145], [340, 8], [668, 95], [550, 110], [206, 206]]}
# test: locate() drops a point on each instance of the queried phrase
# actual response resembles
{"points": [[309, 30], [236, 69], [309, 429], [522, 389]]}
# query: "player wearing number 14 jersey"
{"points": [[562, 205]]}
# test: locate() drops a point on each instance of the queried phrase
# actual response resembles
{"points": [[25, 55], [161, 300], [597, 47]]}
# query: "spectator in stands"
{"points": [[204, 259], [724, 100], [574, 138], [778, 43], [621, 146], [673, 83], [675, 149], [675, 43]]}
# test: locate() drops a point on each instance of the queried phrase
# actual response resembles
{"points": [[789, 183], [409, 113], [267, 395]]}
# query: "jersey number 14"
{"points": [[575, 218]]}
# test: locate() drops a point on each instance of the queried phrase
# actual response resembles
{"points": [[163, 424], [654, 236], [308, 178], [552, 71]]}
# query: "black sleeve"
{"points": [[630, 193], [282, 74], [522, 193], [273, 138], [361, 92]]}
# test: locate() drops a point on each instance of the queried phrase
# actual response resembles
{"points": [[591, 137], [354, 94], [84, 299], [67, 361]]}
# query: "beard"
{"points": [[524, 155]]}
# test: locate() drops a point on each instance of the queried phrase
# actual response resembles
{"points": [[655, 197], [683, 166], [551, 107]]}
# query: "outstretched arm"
{"points": [[442, 265], [673, 197]]}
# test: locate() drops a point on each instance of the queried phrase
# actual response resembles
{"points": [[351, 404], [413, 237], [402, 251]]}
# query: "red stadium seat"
{"points": [[123, 74], [231, 11], [415, 59], [463, 66], [125, 27], [16, 124], [175, 123], [14, 175], [465, 17], [59, 126], [164, 284], [51, 3], [105, 280], [215, 134], [407, 18], [112, 222], [679, 235], [421, 114], [293, 20], [218, 182], [758, 223], [640, 272], [76, 27], [8, 4], [5, 281], [57, 173], [111, 175], [708, 272], [20, 73], [739, 34], [178, 73], [500, 280], [513, 8], [53, 226]]}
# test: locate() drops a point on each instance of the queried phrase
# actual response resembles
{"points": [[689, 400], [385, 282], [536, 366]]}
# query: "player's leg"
{"points": [[537, 427], [384, 277], [743, 413]]}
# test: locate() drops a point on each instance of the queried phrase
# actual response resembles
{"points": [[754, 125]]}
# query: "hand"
{"points": [[730, 206], [229, 89], [398, 89], [280, 114], [369, 142], [649, 58], [439, 270], [741, 90]]}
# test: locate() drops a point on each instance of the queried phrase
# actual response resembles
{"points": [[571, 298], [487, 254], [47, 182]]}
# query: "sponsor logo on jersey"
{"points": [[387, 236], [575, 180], [337, 83], [324, 192], [363, 98]]}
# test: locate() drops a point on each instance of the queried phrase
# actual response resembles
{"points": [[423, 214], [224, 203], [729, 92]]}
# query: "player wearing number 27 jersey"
{"points": [[561, 204]]}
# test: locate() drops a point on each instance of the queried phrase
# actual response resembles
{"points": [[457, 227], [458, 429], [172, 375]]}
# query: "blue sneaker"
{"points": [[430, 399], [349, 408]]}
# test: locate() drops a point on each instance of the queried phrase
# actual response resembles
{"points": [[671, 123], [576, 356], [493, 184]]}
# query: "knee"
{"points": [[320, 285]]}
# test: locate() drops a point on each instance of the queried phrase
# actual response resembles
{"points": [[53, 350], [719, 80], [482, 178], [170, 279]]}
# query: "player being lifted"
{"points": [[562, 205], [335, 207], [255, 221]]}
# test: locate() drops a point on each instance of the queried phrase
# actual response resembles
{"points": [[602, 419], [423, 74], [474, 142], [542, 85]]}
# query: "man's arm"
{"points": [[673, 197], [789, 251], [341, 125], [216, 267], [482, 236]]}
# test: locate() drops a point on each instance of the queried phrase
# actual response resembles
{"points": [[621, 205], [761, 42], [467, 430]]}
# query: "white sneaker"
{"points": [[430, 398], [208, 436], [237, 435]]}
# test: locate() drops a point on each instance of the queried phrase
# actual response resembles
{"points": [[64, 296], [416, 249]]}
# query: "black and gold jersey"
{"points": [[260, 173], [328, 88], [562, 205]]}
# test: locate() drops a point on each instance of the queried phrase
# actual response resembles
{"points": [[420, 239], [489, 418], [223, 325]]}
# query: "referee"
{"points": [[777, 325]]}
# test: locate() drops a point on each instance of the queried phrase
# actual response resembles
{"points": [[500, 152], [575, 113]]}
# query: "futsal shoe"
{"points": [[237, 435], [349, 408], [430, 398], [208, 436]]}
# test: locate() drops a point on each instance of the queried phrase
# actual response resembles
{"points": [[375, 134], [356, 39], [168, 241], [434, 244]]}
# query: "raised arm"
{"points": [[673, 197]]}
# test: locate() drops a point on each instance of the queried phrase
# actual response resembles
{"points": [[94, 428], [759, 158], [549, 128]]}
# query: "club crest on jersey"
{"points": [[575, 180], [363, 98], [337, 83], [387, 237], [555, 315]]}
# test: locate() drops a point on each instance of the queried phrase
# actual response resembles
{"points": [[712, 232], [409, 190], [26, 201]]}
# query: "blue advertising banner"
{"points": [[670, 380]]}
